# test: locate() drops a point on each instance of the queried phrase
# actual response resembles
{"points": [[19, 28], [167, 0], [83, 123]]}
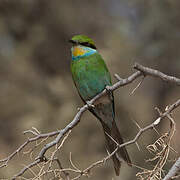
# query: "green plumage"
{"points": [[91, 76]]}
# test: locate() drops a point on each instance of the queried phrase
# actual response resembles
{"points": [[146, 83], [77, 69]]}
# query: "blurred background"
{"points": [[36, 89]]}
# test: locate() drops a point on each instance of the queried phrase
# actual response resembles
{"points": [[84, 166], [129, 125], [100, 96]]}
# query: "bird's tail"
{"points": [[121, 154]]}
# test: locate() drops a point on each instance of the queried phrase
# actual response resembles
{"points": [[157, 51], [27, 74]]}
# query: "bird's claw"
{"points": [[108, 89], [89, 104]]}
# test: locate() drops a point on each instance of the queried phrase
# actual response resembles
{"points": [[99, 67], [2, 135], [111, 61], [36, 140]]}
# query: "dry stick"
{"points": [[173, 171], [156, 73], [27, 167], [122, 82]]}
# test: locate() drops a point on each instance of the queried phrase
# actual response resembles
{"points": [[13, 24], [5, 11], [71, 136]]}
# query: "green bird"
{"points": [[91, 76]]}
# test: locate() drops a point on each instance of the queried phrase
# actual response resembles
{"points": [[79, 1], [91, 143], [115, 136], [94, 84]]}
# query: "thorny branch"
{"points": [[142, 71]]}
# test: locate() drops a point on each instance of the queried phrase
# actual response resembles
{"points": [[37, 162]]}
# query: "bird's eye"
{"points": [[88, 45]]}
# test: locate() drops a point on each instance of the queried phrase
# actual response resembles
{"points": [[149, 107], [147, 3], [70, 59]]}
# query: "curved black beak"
{"points": [[72, 41]]}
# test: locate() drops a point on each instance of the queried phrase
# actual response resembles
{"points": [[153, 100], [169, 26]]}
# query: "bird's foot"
{"points": [[89, 104], [108, 89]]}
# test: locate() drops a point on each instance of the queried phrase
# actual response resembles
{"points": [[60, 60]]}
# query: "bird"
{"points": [[91, 76]]}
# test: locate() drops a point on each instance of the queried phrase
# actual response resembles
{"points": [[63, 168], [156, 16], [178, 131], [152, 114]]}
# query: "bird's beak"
{"points": [[72, 41]]}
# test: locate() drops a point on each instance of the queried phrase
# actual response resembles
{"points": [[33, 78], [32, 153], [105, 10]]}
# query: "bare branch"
{"points": [[26, 168], [156, 73], [142, 71]]}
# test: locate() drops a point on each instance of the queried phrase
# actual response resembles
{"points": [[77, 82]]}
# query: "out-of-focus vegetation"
{"points": [[36, 89]]}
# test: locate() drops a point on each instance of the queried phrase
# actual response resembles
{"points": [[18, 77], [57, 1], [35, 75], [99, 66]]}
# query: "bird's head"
{"points": [[83, 46], [83, 40]]}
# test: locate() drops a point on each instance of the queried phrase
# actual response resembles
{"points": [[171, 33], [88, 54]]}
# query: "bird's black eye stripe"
{"points": [[88, 45]]}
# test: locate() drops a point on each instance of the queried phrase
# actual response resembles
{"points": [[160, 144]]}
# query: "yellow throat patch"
{"points": [[78, 51]]}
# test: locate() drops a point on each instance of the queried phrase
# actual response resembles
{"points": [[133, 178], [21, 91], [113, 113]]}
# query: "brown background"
{"points": [[36, 89]]}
